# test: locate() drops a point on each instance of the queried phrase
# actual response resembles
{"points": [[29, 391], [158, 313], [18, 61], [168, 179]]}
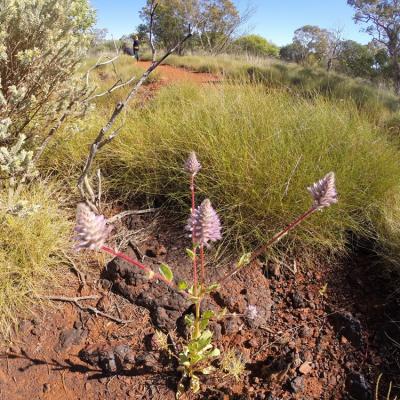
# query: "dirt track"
{"points": [[172, 74]]}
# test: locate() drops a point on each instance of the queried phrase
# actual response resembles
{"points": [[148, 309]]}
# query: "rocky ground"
{"points": [[322, 332]]}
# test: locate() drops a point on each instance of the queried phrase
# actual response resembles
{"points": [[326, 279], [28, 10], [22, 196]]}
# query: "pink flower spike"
{"points": [[324, 191], [91, 230], [192, 165], [204, 224]]}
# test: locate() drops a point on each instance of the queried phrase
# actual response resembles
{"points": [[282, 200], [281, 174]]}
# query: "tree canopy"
{"points": [[256, 45], [215, 21], [382, 20]]}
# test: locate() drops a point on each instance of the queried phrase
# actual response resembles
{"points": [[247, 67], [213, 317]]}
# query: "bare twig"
{"points": [[94, 310], [114, 87], [99, 187], [100, 64], [73, 267], [101, 139]]}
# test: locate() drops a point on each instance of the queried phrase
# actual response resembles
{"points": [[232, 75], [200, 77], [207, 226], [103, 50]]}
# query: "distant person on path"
{"points": [[136, 46]]}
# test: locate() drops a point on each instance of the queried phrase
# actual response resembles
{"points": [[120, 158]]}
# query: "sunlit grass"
{"points": [[378, 104], [260, 147], [260, 150], [30, 250]]}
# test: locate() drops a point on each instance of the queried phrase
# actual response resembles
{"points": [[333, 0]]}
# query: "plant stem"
{"points": [[199, 300], [192, 189], [202, 266], [193, 195], [137, 264], [261, 250], [196, 332]]}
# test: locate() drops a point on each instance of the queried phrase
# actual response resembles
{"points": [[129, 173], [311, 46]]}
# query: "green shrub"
{"points": [[42, 43], [30, 239], [260, 149], [256, 45]]}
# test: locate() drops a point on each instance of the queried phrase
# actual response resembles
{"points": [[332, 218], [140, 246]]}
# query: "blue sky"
{"points": [[276, 20]]}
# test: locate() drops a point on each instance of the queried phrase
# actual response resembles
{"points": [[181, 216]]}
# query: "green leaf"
{"points": [[208, 370], [166, 272], [205, 319], [189, 319], [244, 260], [195, 384], [182, 285], [212, 287], [191, 254], [204, 341], [214, 353], [207, 314], [181, 391]]}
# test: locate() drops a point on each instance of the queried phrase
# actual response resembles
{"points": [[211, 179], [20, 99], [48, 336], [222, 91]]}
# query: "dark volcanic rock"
{"points": [[109, 358], [357, 387], [349, 327], [296, 385], [70, 337], [165, 306], [298, 300]]}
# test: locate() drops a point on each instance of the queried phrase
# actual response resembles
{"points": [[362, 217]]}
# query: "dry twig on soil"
{"points": [[94, 310]]}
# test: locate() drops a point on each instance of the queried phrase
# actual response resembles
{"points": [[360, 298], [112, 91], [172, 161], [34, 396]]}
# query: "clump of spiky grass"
{"points": [[29, 245], [260, 149], [233, 364], [377, 103]]}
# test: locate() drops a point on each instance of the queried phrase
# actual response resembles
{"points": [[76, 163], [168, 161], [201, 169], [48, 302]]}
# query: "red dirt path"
{"points": [[172, 74]]}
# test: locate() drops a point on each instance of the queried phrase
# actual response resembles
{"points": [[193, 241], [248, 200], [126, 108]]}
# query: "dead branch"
{"points": [[73, 267], [100, 64], [101, 139], [93, 310], [117, 85], [153, 9]]}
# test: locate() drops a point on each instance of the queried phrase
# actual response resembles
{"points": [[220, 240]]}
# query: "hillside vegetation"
{"points": [[261, 147], [377, 104]]}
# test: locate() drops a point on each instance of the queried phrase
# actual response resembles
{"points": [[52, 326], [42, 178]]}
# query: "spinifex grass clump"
{"points": [[196, 356]]}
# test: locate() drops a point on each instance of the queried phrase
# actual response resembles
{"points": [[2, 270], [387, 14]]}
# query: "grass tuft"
{"points": [[260, 148], [378, 104], [28, 249]]}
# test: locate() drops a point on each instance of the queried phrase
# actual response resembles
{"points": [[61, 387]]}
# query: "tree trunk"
{"points": [[396, 75], [329, 65]]}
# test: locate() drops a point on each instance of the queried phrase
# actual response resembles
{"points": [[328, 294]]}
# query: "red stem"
{"points": [[193, 194], [137, 264], [279, 235], [275, 239]]}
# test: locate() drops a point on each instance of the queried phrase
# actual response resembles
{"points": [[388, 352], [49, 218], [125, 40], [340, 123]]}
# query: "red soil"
{"points": [[172, 74]]}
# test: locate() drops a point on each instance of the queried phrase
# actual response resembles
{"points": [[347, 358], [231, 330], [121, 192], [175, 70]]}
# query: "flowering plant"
{"points": [[196, 355]]}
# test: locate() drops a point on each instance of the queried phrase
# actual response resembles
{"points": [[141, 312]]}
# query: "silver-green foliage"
{"points": [[41, 45]]}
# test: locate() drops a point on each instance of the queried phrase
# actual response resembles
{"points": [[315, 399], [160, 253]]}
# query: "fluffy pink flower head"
{"points": [[324, 191], [91, 229], [192, 165], [204, 224]]}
